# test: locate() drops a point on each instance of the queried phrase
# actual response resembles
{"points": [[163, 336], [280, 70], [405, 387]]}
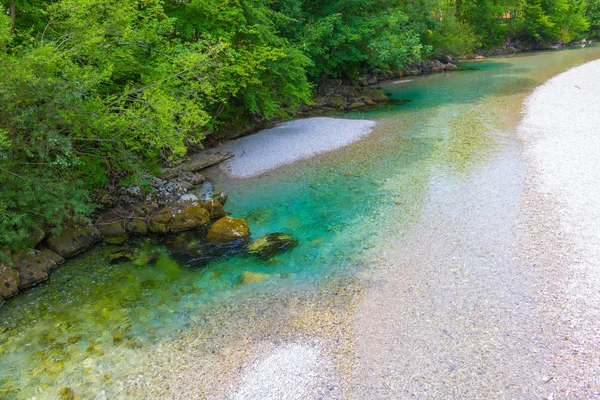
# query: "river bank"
{"points": [[562, 152]]}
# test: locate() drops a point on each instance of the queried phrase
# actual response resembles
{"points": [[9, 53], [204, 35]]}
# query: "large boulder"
{"points": [[267, 246], [9, 281], [35, 266], [192, 216], [227, 229], [73, 240]]}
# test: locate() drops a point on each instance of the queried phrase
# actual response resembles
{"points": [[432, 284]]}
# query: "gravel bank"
{"points": [[561, 135], [290, 142]]}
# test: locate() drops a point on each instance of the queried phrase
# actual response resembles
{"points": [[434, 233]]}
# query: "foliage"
{"points": [[593, 15], [449, 36]]}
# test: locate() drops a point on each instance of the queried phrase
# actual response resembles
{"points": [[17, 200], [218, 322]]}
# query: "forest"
{"points": [[95, 92]]}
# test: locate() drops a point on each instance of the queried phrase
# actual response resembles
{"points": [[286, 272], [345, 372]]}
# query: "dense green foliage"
{"points": [[93, 91]]}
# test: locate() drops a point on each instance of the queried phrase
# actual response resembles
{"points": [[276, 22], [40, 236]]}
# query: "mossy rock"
{"points": [[111, 229], [120, 256], [159, 223], [338, 102], [356, 105], [378, 97], [270, 245], [214, 207], [73, 240], [227, 229], [34, 267], [115, 240], [191, 217], [9, 281], [136, 226]]}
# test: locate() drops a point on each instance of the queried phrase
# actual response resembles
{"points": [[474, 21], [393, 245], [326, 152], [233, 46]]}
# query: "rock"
{"points": [[338, 102], [378, 96], [191, 217], [329, 86], [33, 267], [227, 229], [222, 198], [198, 162], [478, 57], [111, 229], [272, 244], [73, 240], [115, 240], [248, 277], [120, 256], [372, 80], [159, 223], [9, 281], [214, 207], [192, 178], [451, 67], [356, 105], [137, 226], [363, 81]]}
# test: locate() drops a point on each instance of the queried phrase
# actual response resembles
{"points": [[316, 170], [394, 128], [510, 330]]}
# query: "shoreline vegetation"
{"points": [[99, 96]]}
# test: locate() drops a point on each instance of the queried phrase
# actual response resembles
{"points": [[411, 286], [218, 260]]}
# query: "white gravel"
{"points": [[290, 142], [562, 134], [289, 372]]}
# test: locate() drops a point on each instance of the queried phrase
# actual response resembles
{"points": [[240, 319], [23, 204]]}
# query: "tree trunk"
{"points": [[13, 15]]}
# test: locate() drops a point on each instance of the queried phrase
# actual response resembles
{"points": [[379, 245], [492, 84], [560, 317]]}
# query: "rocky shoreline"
{"points": [[185, 202]]}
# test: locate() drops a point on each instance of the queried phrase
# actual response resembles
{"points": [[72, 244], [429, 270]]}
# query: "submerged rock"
{"points": [[73, 240], [248, 277], [9, 281], [272, 244], [227, 229], [34, 267], [120, 256], [116, 240]]}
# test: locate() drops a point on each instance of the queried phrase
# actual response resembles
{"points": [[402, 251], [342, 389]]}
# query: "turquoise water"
{"points": [[72, 333]]}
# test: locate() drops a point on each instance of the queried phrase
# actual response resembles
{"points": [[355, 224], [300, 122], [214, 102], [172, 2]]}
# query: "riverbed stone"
{"points": [[192, 216], [227, 229], [34, 266], [120, 256], [9, 281], [136, 226], [451, 67], [269, 245], [248, 277], [73, 240], [159, 223], [111, 229]]}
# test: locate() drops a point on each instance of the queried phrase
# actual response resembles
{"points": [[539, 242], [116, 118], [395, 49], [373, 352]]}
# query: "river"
{"points": [[408, 276]]}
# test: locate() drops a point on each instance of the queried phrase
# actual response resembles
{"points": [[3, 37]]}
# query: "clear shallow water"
{"points": [[74, 331]]}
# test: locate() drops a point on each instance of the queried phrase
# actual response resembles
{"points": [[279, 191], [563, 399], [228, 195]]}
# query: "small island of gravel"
{"points": [[290, 142]]}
